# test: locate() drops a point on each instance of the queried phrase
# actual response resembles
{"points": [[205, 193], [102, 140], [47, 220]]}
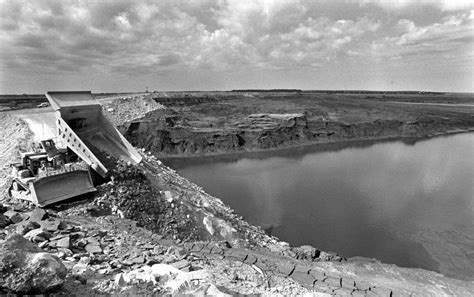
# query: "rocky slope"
{"points": [[117, 243]]}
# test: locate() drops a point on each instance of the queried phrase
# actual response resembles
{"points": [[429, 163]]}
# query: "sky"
{"points": [[118, 46]]}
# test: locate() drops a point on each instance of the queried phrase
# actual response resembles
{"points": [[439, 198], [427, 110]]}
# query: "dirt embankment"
{"points": [[198, 126], [14, 139]]}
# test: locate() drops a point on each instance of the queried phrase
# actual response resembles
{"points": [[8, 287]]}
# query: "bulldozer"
{"points": [[65, 167], [49, 175]]}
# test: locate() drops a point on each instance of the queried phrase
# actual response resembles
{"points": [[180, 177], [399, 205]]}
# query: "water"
{"points": [[354, 200]]}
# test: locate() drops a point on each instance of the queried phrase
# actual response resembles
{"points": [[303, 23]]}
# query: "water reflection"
{"points": [[364, 201]]}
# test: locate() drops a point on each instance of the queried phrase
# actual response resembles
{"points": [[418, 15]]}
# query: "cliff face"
{"points": [[162, 136]]}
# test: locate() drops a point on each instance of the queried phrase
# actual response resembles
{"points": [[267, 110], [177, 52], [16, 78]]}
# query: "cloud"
{"points": [[147, 37], [453, 35], [445, 5], [121, 35]]}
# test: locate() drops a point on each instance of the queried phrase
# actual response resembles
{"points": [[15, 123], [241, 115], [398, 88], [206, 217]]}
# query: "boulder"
{"points": [[93, 248], [24, 268], [64, 242], [4, 221], [14, 216], [38, 235], [306, 252], [37, 215], [26, 226]]}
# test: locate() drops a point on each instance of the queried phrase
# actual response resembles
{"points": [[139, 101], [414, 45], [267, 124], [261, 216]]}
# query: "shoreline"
{"points": [[320, 146]]}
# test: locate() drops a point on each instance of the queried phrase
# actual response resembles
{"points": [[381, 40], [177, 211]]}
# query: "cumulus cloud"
{"points": [[148, 36], [61, 35], [446, 5], [454, 34]]}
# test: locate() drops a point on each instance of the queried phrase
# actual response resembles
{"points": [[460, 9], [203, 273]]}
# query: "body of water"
{"points": [[354, 200]]}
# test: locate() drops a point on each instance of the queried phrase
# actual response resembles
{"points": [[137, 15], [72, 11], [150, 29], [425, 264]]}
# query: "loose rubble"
{"points": [[130, 108]]}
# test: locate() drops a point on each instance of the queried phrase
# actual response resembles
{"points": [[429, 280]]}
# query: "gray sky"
{"points": [[218, 45]]}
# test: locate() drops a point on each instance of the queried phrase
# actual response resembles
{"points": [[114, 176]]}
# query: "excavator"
{"points": [[64, 167]]}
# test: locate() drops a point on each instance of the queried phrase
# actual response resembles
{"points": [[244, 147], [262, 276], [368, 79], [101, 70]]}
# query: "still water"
{"points": [[354, 200]]}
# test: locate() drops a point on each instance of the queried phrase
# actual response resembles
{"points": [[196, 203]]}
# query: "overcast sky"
{"points": [[219, 45]]}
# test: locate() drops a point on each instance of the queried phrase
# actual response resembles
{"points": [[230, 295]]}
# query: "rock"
{"points": [[185, 277], [306, 252], [3, 208], [92, 240], [63, 253], [38, 235], [4, 221], [50, 225], [180, 264], [143, 274], [100, 233], [179, 252], [168, 196], [93, 249], [62, 225], [380, 291], [58, 237], [348, 283], [119, 280], [213, 291], [138, 260], [317, 274], [14, 216], [24, 268], [324, 256], [63, 242], [9, 213], [303, 278], [157, 250], [284, 268], [333, 281], [26, 226], [37, 215], [81, 243], [81, 269], [160, 270], [17, 218]]}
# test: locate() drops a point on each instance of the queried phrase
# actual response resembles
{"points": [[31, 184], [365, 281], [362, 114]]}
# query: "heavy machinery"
{"points": [[82, 127], [49, 175], [62, 169]]}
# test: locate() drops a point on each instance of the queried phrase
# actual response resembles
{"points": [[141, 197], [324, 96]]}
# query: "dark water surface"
{"points": [[353, 200]]}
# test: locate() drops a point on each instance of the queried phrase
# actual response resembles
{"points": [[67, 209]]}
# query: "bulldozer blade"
{"points": [[59, 187]]}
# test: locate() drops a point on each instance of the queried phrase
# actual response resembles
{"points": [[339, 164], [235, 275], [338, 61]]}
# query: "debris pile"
{"points": [[130, 194], [130, 108], [14, 139], [91, 248]]}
